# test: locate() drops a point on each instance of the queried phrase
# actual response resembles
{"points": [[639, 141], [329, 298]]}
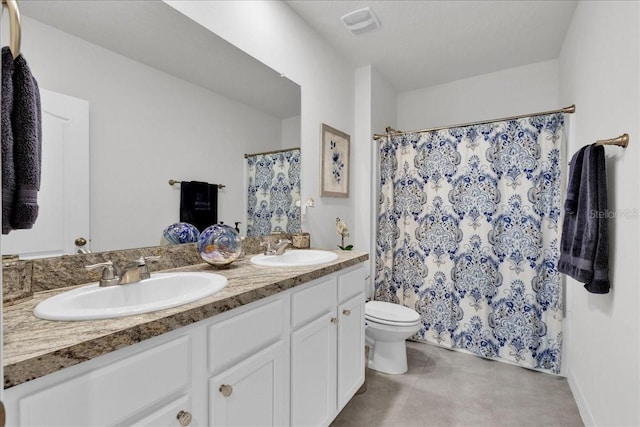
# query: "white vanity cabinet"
{"points": [[327, 347], [146, 384], [247, 356], [294, 358]]}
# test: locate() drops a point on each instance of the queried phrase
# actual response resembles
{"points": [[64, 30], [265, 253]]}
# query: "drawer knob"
{"points": [[226, 390], [184, 418], [334, 320], [346, 312]]}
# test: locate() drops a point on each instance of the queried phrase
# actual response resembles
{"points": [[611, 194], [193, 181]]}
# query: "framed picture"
{"points": [[335, 163]]}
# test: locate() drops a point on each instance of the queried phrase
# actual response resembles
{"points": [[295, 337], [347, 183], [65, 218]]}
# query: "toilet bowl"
{"points": [[387, 326]]}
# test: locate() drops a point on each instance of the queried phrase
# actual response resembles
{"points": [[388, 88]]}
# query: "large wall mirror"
{"points": [[159, 98]]}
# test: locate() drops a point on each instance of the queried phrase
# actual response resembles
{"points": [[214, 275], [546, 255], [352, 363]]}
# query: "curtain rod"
{"points": [[271, 152], [567, 110]]}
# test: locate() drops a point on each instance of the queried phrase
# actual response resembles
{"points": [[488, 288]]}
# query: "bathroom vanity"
{"points": [[275, 347]]}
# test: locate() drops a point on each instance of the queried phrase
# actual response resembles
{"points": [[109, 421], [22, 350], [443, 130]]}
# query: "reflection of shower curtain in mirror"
{"points": [[273, 191], [468, 233]]}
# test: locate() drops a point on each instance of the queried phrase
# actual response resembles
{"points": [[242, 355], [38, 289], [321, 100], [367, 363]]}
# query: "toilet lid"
{"points": [[389, 312]]}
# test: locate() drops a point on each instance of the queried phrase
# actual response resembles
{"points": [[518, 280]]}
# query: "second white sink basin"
{"points": [[300, 258], [161, 291]]}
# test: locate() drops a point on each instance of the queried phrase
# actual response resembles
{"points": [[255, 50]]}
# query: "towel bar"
{"points": [[173, 181], [14, 26]]}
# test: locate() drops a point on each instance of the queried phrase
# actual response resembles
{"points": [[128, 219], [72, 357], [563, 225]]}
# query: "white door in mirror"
{"points": [[161, 291], [64, 190]]}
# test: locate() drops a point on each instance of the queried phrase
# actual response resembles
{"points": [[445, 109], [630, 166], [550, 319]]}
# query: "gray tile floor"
{"points": [[450, 388]]}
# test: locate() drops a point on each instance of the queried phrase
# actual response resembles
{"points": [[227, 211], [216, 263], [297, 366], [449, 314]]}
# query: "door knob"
{"points": [[334, 320], [184, 418], [226, 390], [346, 312], [80, 241]]}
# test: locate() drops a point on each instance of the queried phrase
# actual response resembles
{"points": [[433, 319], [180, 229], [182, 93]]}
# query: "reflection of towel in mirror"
{"points": [[199, 204], [21, 144], [584, 248]]}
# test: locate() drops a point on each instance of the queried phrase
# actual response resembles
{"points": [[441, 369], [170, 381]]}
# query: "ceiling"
{"points": [[155, 34], [425, 43]]}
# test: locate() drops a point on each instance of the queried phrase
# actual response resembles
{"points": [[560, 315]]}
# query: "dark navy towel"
{"points": [[8, 175], [584, 247], [27, 145], [21, 143], [199, 204]]}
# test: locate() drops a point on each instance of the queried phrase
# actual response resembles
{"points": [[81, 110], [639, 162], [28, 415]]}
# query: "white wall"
{"points": [[599, 72], [291, 132], [272, 33], [375, 109], [521, 90], [147, 127]]}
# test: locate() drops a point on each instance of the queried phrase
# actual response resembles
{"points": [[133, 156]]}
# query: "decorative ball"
{"points": [[219, 245], [180, 232]]}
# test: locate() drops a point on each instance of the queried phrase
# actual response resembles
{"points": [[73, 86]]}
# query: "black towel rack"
{"points": [[173, 181]]}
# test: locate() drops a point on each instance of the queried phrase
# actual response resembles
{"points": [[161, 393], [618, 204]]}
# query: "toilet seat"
{"points": [[387, 313]]}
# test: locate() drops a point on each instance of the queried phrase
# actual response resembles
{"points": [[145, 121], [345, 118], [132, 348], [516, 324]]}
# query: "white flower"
{"points": [[341, 228]]}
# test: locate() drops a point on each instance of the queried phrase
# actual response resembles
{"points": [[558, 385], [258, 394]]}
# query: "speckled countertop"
{"points": [[35, 347]]}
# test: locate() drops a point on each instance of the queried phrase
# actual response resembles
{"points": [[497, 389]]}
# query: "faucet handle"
{"points": [[109, 276], [143, 264], [268, 250]]}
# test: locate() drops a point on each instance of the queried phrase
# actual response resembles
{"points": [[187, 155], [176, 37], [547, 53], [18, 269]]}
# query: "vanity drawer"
{"points": [[350, 284], [113, 393], [240, 336], [313, 301]]}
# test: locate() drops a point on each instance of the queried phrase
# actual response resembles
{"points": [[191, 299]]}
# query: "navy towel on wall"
{"points": [[199, 204]]}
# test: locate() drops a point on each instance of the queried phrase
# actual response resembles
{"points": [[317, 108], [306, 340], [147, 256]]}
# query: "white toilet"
{"points": [[387, 326]]}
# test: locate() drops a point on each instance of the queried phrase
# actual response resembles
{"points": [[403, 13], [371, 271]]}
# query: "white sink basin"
{"points": [[161, 291], [300, 258]]}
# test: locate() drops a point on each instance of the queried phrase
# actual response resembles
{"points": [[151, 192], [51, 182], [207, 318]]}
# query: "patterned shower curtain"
{"points": [[468, 236], [273, 191]]}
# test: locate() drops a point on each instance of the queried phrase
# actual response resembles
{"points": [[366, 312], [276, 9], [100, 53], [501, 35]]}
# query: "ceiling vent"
{"points": [[361, 20]]}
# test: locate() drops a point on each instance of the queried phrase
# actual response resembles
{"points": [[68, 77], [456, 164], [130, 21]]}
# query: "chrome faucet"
{"points": [[281, 246], [277, 249], [123, 274]]}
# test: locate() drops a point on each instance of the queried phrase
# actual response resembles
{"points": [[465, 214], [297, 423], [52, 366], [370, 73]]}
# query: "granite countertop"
{"points": [[34, 347]]}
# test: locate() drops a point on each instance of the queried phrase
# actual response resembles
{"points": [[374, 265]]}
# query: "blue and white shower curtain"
{"points": [[273, 189], [468, 235]]}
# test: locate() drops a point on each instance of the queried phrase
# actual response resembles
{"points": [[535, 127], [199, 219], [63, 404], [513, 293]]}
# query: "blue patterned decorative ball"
{"points": [[180, 232], [219, 245]]}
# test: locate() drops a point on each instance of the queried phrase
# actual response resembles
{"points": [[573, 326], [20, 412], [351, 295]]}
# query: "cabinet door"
{"points": [[313, 372], [251, 393], [350, 348], [111, 394]]}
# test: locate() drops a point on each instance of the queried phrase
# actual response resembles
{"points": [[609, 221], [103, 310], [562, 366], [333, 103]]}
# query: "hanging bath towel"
{"points": [[26, 120], [8, 175], [199, 204], [21, 144], [584, 247]]}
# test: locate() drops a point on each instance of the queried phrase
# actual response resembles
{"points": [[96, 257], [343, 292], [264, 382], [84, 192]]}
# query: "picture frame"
{"points": [[335, 166]]}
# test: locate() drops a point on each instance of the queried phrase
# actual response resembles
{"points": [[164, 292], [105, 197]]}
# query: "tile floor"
{"points": [[450, 388]]}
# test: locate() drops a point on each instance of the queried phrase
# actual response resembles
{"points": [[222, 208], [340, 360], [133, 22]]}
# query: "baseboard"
{"points": [[578, 396]]}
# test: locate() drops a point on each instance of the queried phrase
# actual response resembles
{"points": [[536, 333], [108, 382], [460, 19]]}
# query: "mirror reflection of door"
{"points": [[64, 193]]}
